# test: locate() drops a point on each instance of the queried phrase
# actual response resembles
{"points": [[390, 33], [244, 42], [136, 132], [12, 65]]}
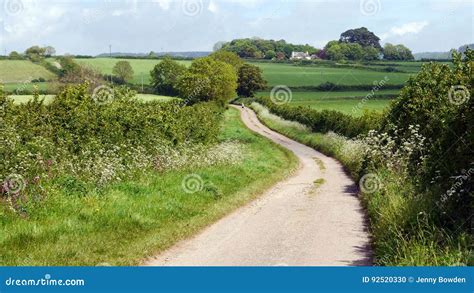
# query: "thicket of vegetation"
{"points": [[265, 49], [358, 44], [326, 120], [79, 139], [415, 168], [212, 78]]}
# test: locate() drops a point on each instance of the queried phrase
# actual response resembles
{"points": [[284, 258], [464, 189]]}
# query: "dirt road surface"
{"points": [[295, 223]]}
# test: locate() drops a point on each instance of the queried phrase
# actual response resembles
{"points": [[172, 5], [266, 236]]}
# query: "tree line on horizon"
{"points": [[358, 44]]}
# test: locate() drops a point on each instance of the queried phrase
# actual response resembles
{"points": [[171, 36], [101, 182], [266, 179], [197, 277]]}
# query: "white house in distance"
{"points": [[302, 55]]}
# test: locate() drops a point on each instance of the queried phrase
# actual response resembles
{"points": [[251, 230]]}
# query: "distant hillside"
{"points": [[441, 55], [191, 54], [432, 55]]}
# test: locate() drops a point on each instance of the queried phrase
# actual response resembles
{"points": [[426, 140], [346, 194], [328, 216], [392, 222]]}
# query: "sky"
{"points": [[136, 26]]}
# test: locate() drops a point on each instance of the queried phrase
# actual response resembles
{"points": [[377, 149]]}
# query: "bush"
{"points": [[440, 99], [94, 138]]}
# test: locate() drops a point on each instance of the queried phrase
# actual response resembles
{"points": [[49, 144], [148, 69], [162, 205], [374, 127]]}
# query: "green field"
{"points": [[350, 102], [291, 75], [276, 74], [22, 71], [48, 98], [141, 67], [28, 87]]}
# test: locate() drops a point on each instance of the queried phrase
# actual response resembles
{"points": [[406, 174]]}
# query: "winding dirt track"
{"points": [[294, 223]]}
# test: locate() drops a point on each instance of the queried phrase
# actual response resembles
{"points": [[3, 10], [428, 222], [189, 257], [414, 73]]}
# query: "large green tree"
{"points": [[250, 80], [361, 36], [165, 75], [208, 79], [396, 52], [35, 53], [230, 58], [123, 70]]}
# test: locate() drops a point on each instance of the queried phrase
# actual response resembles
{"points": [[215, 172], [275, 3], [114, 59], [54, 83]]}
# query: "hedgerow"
{"points": [[94, 139], [326, 120]]}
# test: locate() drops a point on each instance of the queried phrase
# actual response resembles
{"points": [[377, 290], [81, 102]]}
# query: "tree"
{"points": [[14, 55], [208, 79], [333, 51], [280, 56], [35, 53], [165, 75], [250, 80], [361, 36], [270, 54], [49, 51], [371, 53], [396, 52], [228, 57], [123, 70], [67, 65]]}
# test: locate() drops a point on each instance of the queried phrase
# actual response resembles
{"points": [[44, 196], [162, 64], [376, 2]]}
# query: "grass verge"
{"points": [[123, 223]]}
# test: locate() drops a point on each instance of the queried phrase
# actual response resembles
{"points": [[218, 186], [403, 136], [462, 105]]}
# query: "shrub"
{"points": [[440, 99]]}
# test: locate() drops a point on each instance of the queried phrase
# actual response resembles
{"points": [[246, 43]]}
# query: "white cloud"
{"points": [[409, 28], [164, 4], [212, 7]]}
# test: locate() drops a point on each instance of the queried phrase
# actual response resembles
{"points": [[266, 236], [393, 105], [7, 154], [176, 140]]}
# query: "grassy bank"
{"points": [[402, 225], [122, 223]]}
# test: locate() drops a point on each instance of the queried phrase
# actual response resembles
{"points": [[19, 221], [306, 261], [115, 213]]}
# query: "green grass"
{"points": [[141, 67], [22, 71], [20, 88], [342, 101], [291, 75], [128, 221], [48, 98]]}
